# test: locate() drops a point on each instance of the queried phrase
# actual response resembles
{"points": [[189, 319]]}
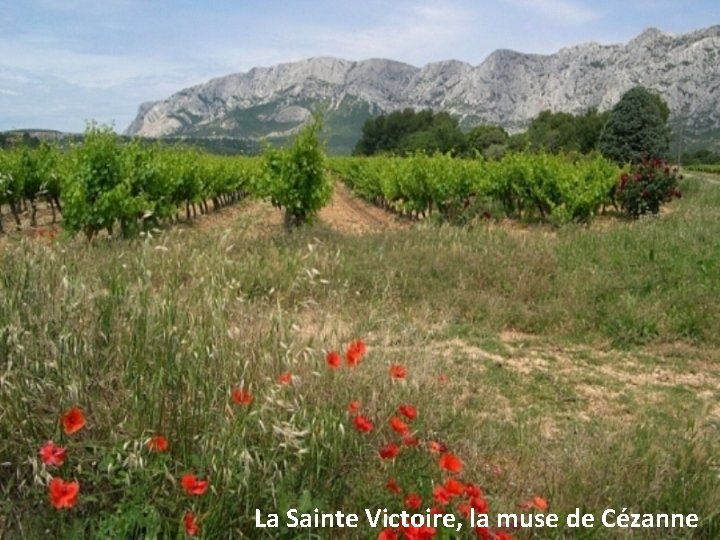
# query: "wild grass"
{"points": [[581, 365]]}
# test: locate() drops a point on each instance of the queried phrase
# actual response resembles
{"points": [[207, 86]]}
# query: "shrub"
{"points": [[295, 178], [647, 186]]}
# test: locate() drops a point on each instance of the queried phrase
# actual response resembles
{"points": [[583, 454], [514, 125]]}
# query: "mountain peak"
{"points": [[647, 37], [509, 88]]}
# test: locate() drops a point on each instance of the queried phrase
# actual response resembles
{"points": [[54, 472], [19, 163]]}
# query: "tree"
{"points": [[481, 138], [636, 128], [553, 132], [588, 128], [408, 131], [295, 177]]}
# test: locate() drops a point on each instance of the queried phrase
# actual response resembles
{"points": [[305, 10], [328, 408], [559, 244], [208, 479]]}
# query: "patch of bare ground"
{"points": [[348, 214], [600, 383]]}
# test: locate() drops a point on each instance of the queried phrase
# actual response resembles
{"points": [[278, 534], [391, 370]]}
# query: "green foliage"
{"points": [[94, 186], [523, 185], [407, 131], [647, 186], [636, 128], [701, 157], [482, 138], [564, 132], [151, 337], [295, 178], [106, 180]]}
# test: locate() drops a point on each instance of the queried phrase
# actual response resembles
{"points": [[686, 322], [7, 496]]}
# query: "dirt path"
{"points": [[347, 213]]}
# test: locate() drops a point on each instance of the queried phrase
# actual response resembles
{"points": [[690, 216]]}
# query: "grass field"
{"points": [[577, 364]]}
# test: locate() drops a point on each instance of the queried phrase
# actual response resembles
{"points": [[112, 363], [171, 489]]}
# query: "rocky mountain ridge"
{"points": [[508, 88]]}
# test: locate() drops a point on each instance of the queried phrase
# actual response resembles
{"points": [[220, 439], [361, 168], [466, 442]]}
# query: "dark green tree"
{"points": [[408, 131], [636, 128], [588, 128], [481, 138], [553, 132]]}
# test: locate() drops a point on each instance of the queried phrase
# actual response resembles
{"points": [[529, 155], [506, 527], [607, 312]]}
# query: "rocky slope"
{"points": [[508, 88]]}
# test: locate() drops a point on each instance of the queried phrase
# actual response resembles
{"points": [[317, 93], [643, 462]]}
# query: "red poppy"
{"points": [[393, 486], [73, 421], [192, 485], [450, 462], [454, 487], [464, 510], [419, 533], [353, 406], [409, 440], [399, 426], [387, 534], [480, 505], [63, 494], [241, 396], [157, 443], [443, 378], [398, 371], [408, 411], [412, 501], [52, 454], [333, 359], [441, 495], [389, 451], [285, 378], [363, 423], [191, 526], [471, 490], [538, 503], [355, 352]]}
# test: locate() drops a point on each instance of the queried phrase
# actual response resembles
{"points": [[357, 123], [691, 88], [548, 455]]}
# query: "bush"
{"points": [[295, 177], [647, 186]]}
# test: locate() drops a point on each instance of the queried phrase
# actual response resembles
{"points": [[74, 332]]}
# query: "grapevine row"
{"points": [[102, 183], [546, 186]]}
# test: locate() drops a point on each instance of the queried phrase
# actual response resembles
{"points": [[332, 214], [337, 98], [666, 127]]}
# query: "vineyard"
{"points": [[712, 169], [102, 184], [522, 185], [177, 385]]}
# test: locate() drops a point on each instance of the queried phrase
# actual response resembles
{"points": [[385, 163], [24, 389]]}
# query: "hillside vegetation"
{"points": [[575, 364]]}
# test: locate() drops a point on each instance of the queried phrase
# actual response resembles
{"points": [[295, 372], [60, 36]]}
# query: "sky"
{"points": [[64, 62]]}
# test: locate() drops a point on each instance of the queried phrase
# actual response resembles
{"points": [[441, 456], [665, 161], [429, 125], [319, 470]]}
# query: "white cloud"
{"points": [[88, 70], [407, 32], [7, 92], [563, 11]]}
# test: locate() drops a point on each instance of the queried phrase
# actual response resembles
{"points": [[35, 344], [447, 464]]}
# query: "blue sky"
{"points": [[63, 62]]}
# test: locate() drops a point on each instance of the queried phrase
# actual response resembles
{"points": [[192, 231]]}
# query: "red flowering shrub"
{"points": [[647, 186]]}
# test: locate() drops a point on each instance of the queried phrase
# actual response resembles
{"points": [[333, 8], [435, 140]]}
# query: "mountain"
{"points": [[509, 88]]}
